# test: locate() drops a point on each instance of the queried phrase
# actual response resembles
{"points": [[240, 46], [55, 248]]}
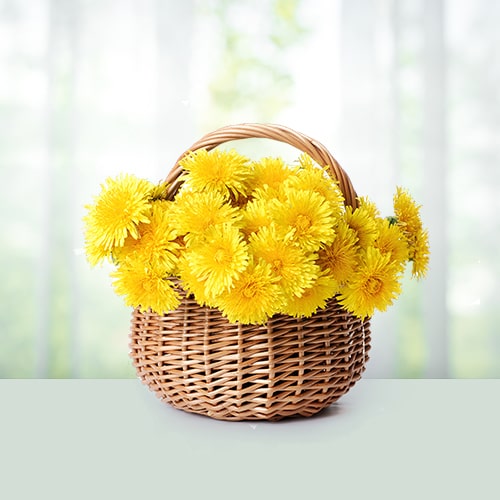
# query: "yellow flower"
{"points": [[407, 212], [409, 222], [390, 240], [369, 207], [122, 204], [294, 269], [95, 252], [310, 217], [219, 258], [159, 192], [268, 194], [315, 297], [225, 172], [254, 297], [256, 214], [145, 285], [340, 258], [312, 177], [270, 173], [156, 241], [195, 213], [419, 254], [192, 284], [374, 285], [362, 223]]}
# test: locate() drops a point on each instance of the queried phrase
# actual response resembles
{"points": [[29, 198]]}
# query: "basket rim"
{"points": [[315, 149]]}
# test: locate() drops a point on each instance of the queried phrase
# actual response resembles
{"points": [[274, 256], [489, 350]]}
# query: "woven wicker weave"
{"points": [[197, 361]]}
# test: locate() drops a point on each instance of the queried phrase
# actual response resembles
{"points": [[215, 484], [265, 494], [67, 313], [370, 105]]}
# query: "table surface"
{"points": [[113, 439]]}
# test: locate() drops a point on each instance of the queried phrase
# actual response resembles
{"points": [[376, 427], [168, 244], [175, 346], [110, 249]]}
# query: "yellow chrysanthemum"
{"points": [[268, 194], [390, 240], [311, 177], [219, 258], [122, 204], [407, 212], [409, 222], [340, 258], [309, 215], [256, 214], [419, 254], [369, 206], [192, 284], [156, 241], [195, 213], [95, 252], [145, 285], [254, 297], [159, 192], [269, 174], [225, 172], [374, 285], [362, 223], [315, 297], [294, 269]]}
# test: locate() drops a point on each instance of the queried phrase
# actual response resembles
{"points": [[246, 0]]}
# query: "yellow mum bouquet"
{"points": [[252, 239]]}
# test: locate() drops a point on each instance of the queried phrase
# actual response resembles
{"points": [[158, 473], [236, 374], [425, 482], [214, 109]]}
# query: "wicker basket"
{"points": [[197, 361]]}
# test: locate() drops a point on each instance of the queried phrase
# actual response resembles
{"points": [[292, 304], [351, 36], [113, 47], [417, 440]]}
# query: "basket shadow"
{"points": [[332, 411]]}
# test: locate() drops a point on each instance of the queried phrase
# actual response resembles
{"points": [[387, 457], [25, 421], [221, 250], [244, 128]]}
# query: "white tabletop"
{"points": [[112, 439]]}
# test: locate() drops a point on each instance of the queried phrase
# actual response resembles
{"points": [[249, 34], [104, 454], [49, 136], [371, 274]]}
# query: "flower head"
{"points": [[159, 191], [218, 259], [369, 207], [157, 239], [310, 217], [312, 177], [194, 213], [254, 297], [256, 214], [410, 224], [192, 284], [294, 269], [390, 240], [313, 298], [340, 258], [225, 172], [361, 221], [374, 285], [269, 174], [419, 254], [120, 207], [407, 212], [145, 285]]}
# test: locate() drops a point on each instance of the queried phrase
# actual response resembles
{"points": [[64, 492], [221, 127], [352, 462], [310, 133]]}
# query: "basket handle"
{"points": [[306, 144]]}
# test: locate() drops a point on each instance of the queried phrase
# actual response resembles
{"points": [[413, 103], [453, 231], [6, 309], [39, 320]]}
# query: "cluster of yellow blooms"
{"points": [[253, 239]]}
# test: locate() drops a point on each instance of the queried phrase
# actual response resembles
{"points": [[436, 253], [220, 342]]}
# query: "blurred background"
{"points": [[401, 92]]}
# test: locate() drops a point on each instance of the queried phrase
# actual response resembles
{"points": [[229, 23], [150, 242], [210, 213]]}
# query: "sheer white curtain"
{"points": [[401, 91]]}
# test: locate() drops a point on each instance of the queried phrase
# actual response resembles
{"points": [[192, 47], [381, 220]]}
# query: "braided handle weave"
{"points": [[306, 144]]}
